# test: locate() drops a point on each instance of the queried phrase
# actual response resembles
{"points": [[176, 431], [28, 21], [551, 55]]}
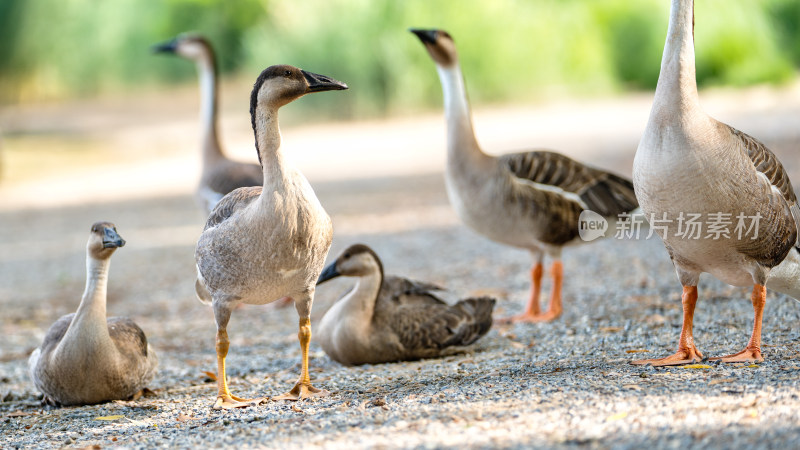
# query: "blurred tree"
{"points": [[511, 50]]}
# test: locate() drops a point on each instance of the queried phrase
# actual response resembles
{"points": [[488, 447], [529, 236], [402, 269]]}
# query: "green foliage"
{"points": [[511, 50]]}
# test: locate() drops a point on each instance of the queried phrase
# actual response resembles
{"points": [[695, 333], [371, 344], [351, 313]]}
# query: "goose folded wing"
{"points": [[768, 164], [235, 200], [600, 191], [436, 326]]}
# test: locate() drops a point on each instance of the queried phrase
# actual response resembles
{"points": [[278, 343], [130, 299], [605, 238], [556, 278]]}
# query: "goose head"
{"points": [[282, 84], [103, 240], [189, 46], [440, 45], [358, 260]]}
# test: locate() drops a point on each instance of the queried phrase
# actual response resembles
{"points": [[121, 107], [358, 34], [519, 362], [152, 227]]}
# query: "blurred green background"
{"points": [[512, 50]]}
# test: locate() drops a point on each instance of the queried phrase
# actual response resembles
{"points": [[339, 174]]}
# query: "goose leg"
{"points": [[224, 398], [532, 312], [687, 352], [753, 350], [532, 309], [303, 388]]}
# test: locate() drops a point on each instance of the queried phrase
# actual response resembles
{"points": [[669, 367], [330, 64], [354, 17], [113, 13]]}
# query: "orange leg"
{"points": [[753, 350], [687, 352], [303, 388], [532, 312]]}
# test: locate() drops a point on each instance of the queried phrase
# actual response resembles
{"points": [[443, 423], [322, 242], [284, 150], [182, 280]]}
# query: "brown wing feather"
{"points": [[424, 324], [782, 226], [235, 200], [602, 192], [767, 163]]}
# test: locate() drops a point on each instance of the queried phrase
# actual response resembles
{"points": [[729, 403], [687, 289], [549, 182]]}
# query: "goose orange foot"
{"points": [[746, 355], [684, 356], [302, 391], [232, 402]]}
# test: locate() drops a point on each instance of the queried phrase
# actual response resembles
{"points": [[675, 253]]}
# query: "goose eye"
{"points": [[347, 255], [287, 74]]}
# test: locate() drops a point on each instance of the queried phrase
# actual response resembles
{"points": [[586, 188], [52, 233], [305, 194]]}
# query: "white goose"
{"points": [[689, 163], [262, 244], [220, 175], [86, 358], [531, 200]]}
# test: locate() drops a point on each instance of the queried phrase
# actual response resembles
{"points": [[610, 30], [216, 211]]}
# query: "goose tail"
{"points": [[477, 320]]}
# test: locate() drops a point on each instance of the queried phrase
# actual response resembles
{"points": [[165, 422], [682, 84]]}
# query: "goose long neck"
{"points": [[676, 92], [268, 144], [361, 305], [461, 140], [90, 319], [207, 68]]}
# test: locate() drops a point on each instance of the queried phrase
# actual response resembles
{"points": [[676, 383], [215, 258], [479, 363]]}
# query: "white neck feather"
{"points": [[268, 139], [88, 331], [460, 135], [208, 109], [360, 305], [676, 92]]}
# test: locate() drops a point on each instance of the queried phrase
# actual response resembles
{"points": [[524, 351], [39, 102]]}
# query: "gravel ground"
{"points": [[559, 385], [565, 384]]}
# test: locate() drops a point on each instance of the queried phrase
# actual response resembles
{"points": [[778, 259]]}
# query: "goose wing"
{"points": [[768, 164], [423, 322], [600, 191], [127, 336], [433, 327], [51, 340], [402, 291], [235, 200]]}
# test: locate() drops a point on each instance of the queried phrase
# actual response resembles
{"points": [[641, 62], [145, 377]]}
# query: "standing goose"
{"points": [[531, 200], [220, 175], [388, 318], [689, 163], [86, 358], [262, 244]]}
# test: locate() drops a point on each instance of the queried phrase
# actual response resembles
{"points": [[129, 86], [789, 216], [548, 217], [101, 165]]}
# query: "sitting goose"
{"points": [[220, 175], [689, 163], [387, 318], [262, 244], [531, 200], [86, 358]]}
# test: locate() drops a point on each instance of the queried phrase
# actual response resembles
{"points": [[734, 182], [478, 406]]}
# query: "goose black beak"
{"points": [[111, 239], [319, 83], [165, 47], [328, 273], [426, 36]]}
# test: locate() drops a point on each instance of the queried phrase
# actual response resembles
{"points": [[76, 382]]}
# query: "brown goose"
{"points": [[689, 163], [86, 358], [388, 318], [262, 244], [220, 175], [531, 200]]}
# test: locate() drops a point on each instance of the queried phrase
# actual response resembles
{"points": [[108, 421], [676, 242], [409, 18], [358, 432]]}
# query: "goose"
{"points": [[86, 358], [530, 200], [388, 318], [220, 174], [689, 163], [264, 243]]}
